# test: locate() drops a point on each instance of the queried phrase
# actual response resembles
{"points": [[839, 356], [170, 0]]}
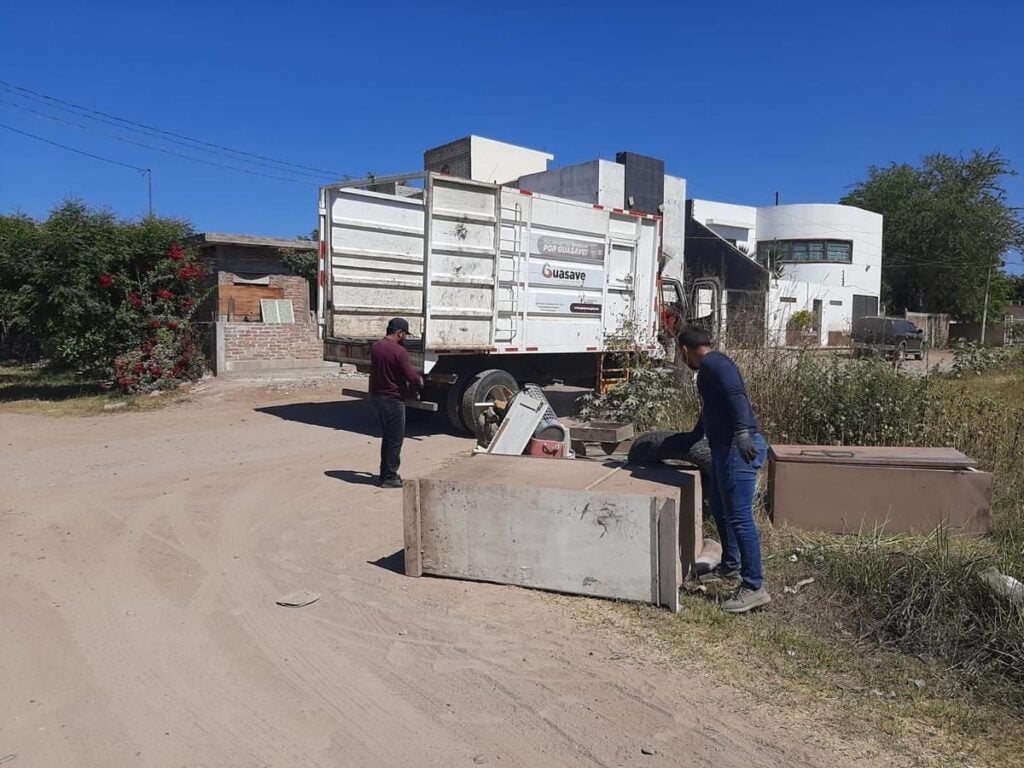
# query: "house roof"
{"points": [[219, 238]]}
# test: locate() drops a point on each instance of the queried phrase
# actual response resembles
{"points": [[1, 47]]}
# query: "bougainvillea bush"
{"points": [[160, 296], [104, 297]]}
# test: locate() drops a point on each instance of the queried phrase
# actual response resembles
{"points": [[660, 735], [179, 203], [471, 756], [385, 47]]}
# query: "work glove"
{"points": [[745, 445]]}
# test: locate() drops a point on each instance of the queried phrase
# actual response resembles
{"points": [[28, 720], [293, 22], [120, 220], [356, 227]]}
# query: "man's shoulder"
{"points": [[718, 360]]}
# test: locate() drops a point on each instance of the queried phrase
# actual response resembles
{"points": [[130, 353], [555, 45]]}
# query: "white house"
{"points": [[825, 258]]}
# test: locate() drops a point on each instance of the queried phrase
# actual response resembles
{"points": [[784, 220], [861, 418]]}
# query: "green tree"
{"points": [[1017, 289], [947, 226]]}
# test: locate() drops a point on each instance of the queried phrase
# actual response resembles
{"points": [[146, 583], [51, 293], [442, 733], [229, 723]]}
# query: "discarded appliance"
{"points": [[526, 424], [583, 527], [850, 489], [612, 435]]}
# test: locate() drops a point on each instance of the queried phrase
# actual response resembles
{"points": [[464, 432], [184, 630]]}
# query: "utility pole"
{"points": [[984, 312], [148, 173]]}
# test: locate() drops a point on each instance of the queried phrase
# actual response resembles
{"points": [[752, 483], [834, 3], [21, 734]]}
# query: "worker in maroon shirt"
{"points": [[392, 377]]}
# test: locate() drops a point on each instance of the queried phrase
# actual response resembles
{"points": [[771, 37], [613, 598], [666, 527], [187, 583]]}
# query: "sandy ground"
{"points": [[142, 557]]}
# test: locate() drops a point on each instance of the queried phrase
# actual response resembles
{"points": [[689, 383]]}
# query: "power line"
{"points": [[164, 150], [97, 114], [118, 137], [76, 151]]}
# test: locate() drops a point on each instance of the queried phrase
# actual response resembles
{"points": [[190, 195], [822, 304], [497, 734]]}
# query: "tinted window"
{"points": [[789, 251]]}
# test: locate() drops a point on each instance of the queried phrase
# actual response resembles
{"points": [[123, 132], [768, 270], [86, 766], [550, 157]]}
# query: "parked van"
{"points": [[895, 337]]}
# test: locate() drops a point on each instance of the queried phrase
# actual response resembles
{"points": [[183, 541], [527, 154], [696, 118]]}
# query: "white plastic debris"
{"points": [[1004, 585], [798, 586]]}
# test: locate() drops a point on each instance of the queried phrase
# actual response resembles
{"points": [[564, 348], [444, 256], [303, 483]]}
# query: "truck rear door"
{"points": [[464, 229]]}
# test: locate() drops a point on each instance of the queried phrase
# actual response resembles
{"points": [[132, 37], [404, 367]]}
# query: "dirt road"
{"points": [[143, 553]]}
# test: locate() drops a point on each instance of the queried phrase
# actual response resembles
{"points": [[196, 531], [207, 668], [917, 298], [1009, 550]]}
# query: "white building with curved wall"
{"points": [[825, 258]]}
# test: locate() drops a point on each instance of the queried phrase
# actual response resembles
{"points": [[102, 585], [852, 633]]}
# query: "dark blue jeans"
{"points": [[732, 483], [391, 415]]}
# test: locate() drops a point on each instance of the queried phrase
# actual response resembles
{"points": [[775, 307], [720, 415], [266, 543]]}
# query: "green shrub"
{"points": [[651, 396], [802, 320]]}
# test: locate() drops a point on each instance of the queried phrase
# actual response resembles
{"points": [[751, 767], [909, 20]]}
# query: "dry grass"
{"points": [[857, 698], [35, 389]]}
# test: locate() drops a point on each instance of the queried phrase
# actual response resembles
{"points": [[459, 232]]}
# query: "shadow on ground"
{"points": [[21, 383], [352, 416], [395, 562], [352, 476]]}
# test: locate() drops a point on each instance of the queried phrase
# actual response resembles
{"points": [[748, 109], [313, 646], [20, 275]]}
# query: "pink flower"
{"points": [[135, 300], [176, 253], [163, 293], [106, 280], [172, 324], [156, 371], [154, 324]]}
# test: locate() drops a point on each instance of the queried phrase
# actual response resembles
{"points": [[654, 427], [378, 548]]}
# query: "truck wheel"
{"points": [[453, 407], [486, 387]]}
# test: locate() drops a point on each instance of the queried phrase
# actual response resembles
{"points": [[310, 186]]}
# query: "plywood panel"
{"points": [[243, 301]]}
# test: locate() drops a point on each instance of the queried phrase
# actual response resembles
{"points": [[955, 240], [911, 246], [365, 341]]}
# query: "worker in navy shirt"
{"points": [[392, 377], [738, 451]]}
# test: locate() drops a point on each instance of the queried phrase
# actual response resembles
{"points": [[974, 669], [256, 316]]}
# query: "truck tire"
{"points": [[486, 386], [453, 407]]}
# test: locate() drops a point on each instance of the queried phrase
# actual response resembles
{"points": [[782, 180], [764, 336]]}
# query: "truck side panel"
{"points": [[376, 263]]}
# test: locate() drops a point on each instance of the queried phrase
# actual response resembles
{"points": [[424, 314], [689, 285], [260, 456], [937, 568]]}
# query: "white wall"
{"points": [[501, 163], [599, 182], [835, 317], [674, 226], [728, 221], [838, 222]]}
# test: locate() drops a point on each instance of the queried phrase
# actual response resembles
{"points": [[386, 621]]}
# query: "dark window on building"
{"points": [[798, 251]]}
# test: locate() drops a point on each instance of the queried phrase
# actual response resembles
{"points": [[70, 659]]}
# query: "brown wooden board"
{"points": [[240, 302], [601, 432]]}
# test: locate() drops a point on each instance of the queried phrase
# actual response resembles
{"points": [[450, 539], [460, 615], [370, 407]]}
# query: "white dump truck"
{"points": [[500, 286]]}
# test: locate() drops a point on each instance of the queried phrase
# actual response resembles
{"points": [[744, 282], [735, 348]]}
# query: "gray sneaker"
{"points": [[746, 600], [718, 574]]}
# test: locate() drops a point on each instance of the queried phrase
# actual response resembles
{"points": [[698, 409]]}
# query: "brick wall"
{"points": [[296, 289], [262, 341], [453, 158]]}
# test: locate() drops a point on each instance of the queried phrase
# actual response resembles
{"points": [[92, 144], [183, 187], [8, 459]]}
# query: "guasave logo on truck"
{"points": [[567, 275]]}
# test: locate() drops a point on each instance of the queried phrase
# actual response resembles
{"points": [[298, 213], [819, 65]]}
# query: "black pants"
{"points": [[391, 414]]}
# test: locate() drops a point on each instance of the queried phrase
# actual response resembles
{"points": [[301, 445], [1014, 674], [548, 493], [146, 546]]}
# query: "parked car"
{"points": [[894, 337]]}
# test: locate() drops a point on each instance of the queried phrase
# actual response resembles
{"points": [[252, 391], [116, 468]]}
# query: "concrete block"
{"points": [[581, 527]]}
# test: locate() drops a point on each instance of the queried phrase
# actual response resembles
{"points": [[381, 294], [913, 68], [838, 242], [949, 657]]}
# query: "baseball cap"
{"points": [[398, 324]]}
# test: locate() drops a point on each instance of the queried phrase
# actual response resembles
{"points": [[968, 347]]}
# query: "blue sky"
{"points": [[743, 99]]}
